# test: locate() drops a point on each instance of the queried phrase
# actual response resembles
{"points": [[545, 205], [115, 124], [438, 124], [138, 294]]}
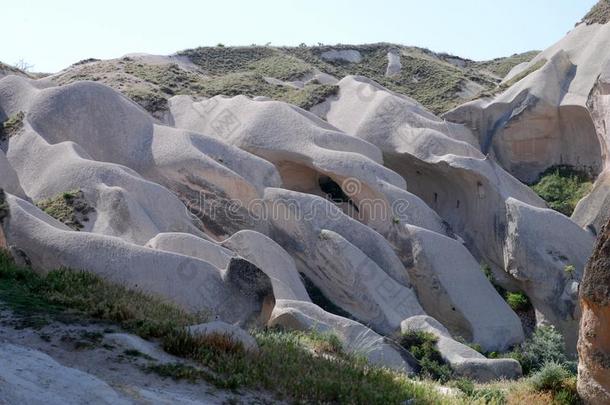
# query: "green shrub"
{"points": [[517, 301], [569, 270], [550, 377], [562, 188], [486, 269], [422, 345], [546, 345], [555, 378]]}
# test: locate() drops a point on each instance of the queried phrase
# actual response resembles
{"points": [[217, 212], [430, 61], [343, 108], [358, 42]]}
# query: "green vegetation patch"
{"points": [[282, 67], [562, 187], [518, 301], [546, 345], [170, 78], [223, 60], [599, 14], [536, 66], [556, 379], [422, 345], [4, 208], [253, 84], [71, 208], [61, 291], [12, 125], [502, 66], [475, 394]]}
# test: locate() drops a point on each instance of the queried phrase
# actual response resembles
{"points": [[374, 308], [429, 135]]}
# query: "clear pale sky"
{"points": [[53, 34]]}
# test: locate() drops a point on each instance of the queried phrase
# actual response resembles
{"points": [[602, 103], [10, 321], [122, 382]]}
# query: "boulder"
{"points": [[547, 268], [342, 55], [355, 337], [274, 261], [594, 336], [452, 288], [234, 333]]}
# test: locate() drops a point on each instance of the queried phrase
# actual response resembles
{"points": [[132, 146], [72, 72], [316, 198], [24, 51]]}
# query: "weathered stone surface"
{"points": [[31, 377], [308, 152], [452, 288], [193, 246], [538, 262], [443, 165], [274, 261], [192, 283], [594, 336], [356, 338], [543, 119]]}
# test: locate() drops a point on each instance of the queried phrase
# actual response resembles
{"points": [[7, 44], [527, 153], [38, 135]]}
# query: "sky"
{"points": [[51, 35]]}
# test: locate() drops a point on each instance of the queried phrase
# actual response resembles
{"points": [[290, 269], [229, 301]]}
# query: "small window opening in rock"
{"points": [[334, 192], [435, 197], [458, 204]]}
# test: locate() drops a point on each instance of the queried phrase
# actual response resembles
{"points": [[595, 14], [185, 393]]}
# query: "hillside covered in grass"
{"points": [[293, 74]]}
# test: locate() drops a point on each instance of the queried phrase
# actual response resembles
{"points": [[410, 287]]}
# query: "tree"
{"points": [[23, 65]]}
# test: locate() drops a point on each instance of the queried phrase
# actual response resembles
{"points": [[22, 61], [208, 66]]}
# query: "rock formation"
{"points": [[594, 339], [358, 212]]}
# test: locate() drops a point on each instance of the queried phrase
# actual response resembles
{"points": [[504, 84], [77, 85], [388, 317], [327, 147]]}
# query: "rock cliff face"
{"points": [[594, 339]]}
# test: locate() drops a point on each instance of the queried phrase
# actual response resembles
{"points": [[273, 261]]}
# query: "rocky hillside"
{"points": [[299, 224], [302, 76]]}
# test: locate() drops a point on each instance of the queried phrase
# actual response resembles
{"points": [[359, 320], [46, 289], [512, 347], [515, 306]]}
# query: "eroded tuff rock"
{"points": [[543, 119], [309, 154], [387, 209], [120, 166], [193, 283], [443, 165], [593, 211], [594, 337], [32, 377], [357, 269]]}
